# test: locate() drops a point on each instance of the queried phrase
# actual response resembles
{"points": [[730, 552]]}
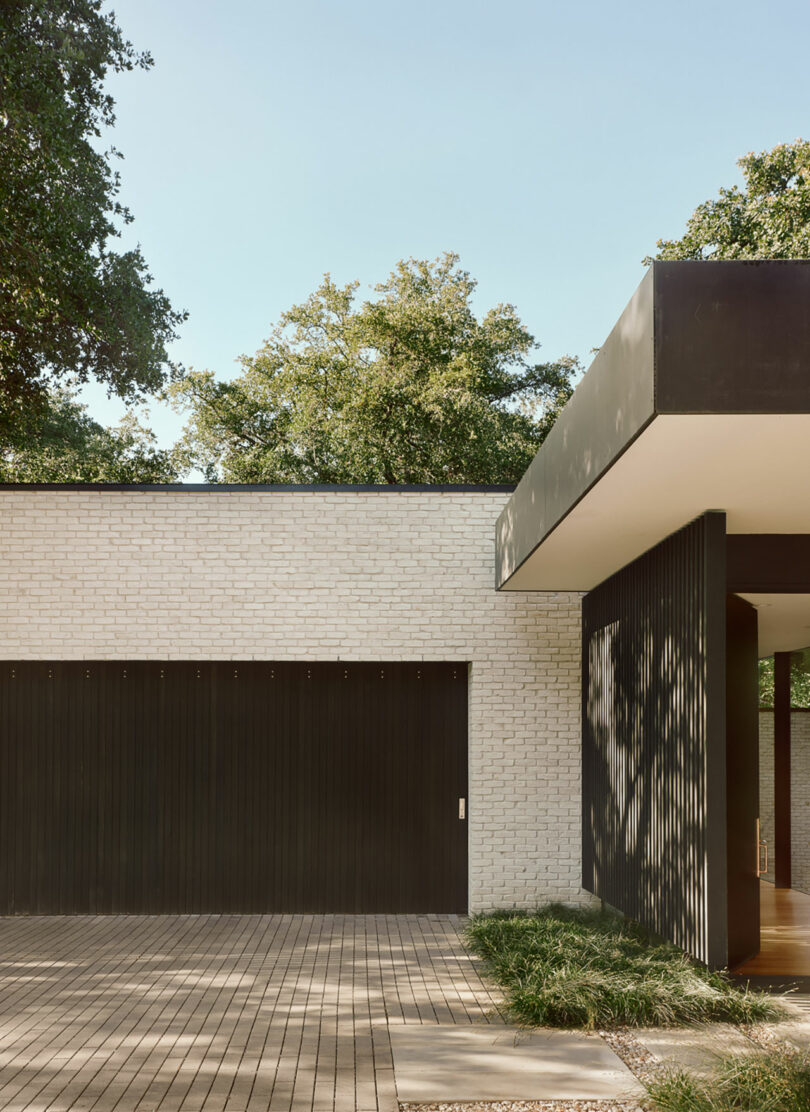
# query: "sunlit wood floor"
{"points": [[785, 934]]}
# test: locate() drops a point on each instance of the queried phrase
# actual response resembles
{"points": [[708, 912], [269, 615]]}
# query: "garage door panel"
{"points": [[232, 786]]}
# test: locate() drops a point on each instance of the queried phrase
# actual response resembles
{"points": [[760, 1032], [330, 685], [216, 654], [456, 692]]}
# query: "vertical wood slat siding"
{"points": [[192, 787], [653, 746]]}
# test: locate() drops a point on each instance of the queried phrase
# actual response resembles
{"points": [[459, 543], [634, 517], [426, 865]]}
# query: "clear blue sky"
{"points": [[549, 144]]}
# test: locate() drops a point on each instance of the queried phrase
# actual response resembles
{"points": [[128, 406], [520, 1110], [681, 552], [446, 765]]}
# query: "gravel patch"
{"points": [[766, 1038], [529, 1106], [638, 1059]]}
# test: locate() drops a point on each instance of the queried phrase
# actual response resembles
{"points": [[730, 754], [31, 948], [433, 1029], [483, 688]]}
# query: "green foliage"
{"points": [[57, 442], [769, 218], [776, 1081], [409, 387], [70, 308], [567, 967], [799, 681]]}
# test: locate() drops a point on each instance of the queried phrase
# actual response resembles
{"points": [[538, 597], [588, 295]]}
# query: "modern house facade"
{"points": [[318, 699], [673, 493], [108, 578]]}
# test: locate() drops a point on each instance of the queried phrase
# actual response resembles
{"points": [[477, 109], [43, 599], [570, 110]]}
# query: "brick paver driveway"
{"points": [[222, 1013]]}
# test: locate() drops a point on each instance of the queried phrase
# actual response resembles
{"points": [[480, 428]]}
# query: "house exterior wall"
{"points": [[653, 742], [90, 574], [799, 794]]}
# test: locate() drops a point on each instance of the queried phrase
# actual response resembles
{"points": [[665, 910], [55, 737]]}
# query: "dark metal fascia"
{"points": [[768, 563], [271, 488]]}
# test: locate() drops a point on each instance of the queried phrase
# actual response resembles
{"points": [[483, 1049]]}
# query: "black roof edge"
{"points": [[276, 488]]}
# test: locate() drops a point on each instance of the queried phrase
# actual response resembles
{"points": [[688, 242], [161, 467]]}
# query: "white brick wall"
{"points": [[799, 794], [325, 576]]}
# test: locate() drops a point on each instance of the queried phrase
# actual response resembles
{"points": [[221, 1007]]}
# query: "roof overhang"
{"points": [[698, 400]]}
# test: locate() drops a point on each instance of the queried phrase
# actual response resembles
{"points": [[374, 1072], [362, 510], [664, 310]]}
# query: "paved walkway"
{"points": [[222, 1013]]}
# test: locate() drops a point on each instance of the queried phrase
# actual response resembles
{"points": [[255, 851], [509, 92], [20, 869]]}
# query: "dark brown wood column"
{"points": [[781, 768]]}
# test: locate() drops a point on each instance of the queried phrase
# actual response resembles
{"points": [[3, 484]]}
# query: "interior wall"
{"points": [[800, 794]]}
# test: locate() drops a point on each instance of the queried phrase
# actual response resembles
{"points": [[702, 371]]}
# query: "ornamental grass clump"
{"points": [[577, 967], [776, 1081]]}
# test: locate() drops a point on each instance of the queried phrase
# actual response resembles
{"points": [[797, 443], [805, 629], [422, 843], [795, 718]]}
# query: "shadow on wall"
{"points": [[644, 743]]}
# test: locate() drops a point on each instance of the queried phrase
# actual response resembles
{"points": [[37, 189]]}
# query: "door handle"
{"points": [[462, 807], [761, 847], [762, 867]]}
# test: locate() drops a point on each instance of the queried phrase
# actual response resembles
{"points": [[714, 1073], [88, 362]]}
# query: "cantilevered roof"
{"points": [[698, 400]]}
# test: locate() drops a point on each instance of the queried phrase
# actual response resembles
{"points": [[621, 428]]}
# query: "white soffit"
{"points": [[783, 622], [756, 467]]}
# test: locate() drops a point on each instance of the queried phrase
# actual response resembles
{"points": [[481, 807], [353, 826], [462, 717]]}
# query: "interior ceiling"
{"points": [[783, 622], [753, 466]]}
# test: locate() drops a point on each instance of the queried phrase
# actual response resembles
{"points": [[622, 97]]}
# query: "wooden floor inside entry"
{"points": [[785, 934]]}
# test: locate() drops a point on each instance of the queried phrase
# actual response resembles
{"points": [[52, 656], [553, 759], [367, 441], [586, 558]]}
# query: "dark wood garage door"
{"points": [[239, 787]]}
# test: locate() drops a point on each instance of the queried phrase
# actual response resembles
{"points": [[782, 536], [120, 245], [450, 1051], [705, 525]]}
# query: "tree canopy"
{"points": [[799, 680], [769, 218], [406, 387], [58, 442], [71, 308]]}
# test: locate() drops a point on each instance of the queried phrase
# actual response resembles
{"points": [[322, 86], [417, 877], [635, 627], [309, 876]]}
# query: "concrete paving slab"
{"points": [[695, 1048], [795, 1030], [477, 1064]]}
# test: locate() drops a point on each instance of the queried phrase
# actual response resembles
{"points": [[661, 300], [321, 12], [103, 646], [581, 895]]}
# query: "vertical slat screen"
{"points": [[192, 787], [653, 746]]}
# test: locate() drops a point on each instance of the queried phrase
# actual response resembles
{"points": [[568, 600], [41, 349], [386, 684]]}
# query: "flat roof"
{"points": [[698, 400], [275, 488]]}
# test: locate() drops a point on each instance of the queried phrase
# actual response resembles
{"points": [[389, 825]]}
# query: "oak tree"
{"points": [[59, 442], [71, 307], [768, 218], [408, 386]]}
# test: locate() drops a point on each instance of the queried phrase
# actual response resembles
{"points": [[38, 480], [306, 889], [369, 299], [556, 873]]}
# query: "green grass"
{"points": [[777, 1081], [575, 967]]}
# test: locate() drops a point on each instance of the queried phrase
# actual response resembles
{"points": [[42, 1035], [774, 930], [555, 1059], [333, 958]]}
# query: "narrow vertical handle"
{"points": [[462, 807], [762, 847]]}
